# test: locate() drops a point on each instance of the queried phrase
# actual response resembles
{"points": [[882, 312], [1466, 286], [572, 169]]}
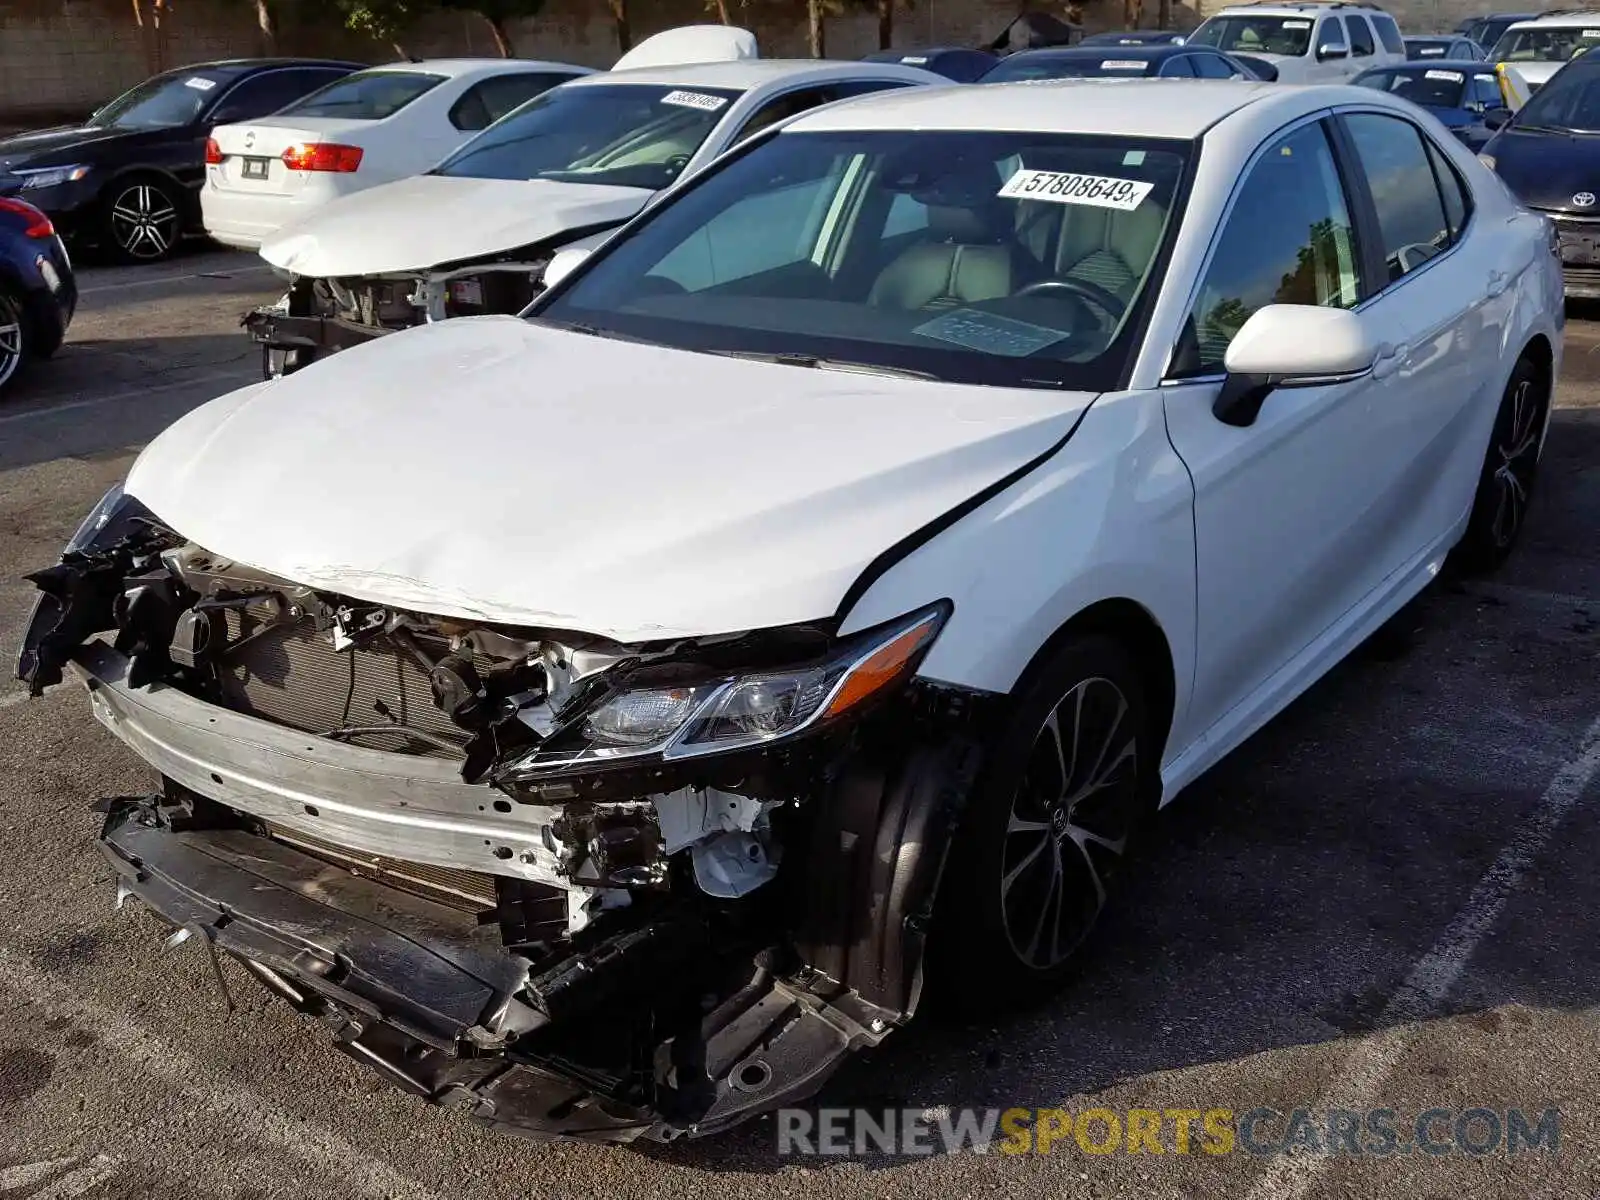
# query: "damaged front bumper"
{"points": [[676, 1014], [411, 989]]}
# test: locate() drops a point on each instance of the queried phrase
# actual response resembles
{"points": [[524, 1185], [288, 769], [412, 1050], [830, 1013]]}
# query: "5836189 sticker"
{"points": [[700, 100], [1064, 187]]}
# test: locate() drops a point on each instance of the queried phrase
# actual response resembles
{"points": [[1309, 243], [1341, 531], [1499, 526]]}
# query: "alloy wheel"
{"points": [[144, 221], [1518, 452], [1071, 819], [11, 335]]}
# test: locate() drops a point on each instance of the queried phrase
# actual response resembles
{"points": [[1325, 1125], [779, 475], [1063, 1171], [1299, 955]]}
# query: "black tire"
{"points": [[141, 219], [1510, 467], [1038, 838], [16, 339]]}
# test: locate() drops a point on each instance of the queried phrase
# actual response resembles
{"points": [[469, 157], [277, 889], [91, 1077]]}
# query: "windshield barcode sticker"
{"points": [[1432, 52], [916, 60], [1061, 187], [694, 100], [1123, 64], [1297, 24], [1591, 33], [1445, 76], [200, 84]]}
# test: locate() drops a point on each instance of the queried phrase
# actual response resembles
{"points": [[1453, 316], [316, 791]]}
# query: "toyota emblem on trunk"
{"points": [[1583, 199]]}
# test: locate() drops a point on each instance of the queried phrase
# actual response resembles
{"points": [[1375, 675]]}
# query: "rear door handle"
{"points": [[1497, 283], [1388, 361]]}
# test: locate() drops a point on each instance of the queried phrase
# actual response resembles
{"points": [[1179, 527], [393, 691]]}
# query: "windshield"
{"points": [[1250, 34], [632, 135], [1062, 66], [1016, 259], [1546, 44], [162, 102], [1433, 88], [1571, 100], [365, 96]]}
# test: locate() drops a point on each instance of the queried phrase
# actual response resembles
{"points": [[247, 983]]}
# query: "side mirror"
{"points": [[563, 263], [1290, 345], [1332, 50], [1497, 117]]}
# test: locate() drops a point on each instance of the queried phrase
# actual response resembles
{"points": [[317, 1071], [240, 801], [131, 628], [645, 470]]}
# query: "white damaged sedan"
{"points": [[605, 720]]}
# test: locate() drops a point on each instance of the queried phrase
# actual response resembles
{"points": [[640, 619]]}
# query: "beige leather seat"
{"points": [[968, 254], [1106, 246]]}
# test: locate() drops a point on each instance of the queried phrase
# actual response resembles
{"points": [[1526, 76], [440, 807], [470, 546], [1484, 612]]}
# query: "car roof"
{"points": [[1164, 108], [1561, 20], [1101, 50], [1433, 64], [746, 74], [262, 64], [452, 68], [1288, 10]]}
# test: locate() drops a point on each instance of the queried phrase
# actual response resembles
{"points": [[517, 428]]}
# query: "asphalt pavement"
{"points": [[1387, 900]]}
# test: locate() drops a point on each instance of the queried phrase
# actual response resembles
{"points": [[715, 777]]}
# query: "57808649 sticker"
{"points": [[1064, 187]]}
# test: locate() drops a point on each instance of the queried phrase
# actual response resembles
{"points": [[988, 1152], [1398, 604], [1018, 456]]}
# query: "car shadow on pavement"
{"points": [[1282, 900]]}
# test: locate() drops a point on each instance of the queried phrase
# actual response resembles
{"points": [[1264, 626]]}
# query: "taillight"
{"points": [[39, 225], [322, 156], [213, 153]]}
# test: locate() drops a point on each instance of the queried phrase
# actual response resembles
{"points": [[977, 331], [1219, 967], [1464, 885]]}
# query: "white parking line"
{"points": [[1436, 972], [86, 1178], [235, 1108], [26, 1175], [226, 273], [34, 414]]}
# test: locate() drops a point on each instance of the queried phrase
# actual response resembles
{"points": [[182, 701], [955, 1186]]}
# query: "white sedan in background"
{"points": [[368, 128], [473, 235], [843, 559]]}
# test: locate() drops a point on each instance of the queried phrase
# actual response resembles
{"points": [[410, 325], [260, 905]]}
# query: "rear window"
{"points": [[1388, 33], [366, 95], [1431, 88]]}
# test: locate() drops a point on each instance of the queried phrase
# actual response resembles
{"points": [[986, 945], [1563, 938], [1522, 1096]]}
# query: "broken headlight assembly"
{"points": [[733, 712]]}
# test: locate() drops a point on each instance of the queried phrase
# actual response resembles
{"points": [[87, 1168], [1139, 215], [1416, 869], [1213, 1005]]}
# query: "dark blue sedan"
{"points": [[37, 290], [1464, 95]]}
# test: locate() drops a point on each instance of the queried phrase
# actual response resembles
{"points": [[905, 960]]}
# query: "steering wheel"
{"points": [[1100, 297]]}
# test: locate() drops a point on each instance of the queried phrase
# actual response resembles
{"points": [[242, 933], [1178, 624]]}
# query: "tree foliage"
{"points": [[383, 20]]}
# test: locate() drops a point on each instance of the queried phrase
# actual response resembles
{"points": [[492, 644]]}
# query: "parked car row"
{"points": [[848, 507]]}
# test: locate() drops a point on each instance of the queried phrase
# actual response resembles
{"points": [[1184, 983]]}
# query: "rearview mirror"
{"points": [[1331, 50], [563, 263], [1290, 345], [1496, 117]]}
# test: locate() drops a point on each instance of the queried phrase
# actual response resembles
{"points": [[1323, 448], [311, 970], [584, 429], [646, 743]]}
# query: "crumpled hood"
{"points": [[427, 220], [1547, 170], [492, 469]]}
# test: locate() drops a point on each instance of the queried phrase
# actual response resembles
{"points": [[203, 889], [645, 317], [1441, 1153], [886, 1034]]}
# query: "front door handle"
{"points": [[1388, 361], [1498, 281]]}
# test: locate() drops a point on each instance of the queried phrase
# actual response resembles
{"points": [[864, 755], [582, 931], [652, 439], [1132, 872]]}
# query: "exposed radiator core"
{"points": [[292, 675]]}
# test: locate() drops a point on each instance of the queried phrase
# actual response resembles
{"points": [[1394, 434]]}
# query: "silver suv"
{"points": [[1310, 42]]}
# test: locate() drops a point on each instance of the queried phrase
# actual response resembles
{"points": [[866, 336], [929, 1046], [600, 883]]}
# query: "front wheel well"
{"points": [[1130, 624], [1539, 352]]}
